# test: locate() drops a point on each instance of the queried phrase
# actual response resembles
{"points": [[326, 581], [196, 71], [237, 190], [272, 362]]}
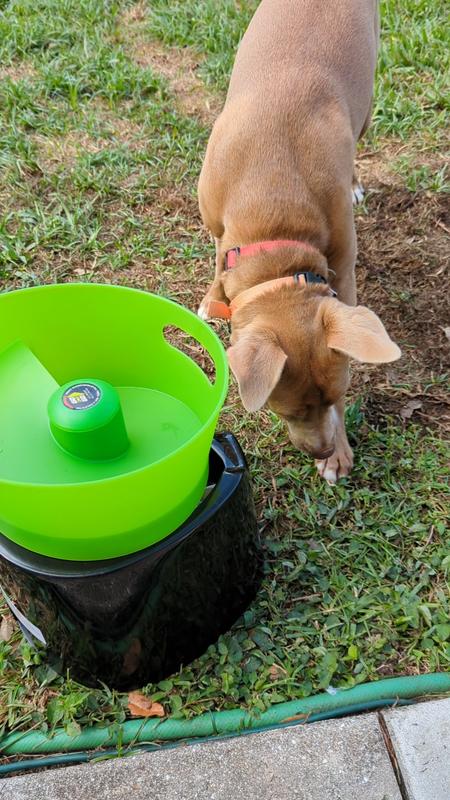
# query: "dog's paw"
{"points": [[357, 193], [338, 465]]}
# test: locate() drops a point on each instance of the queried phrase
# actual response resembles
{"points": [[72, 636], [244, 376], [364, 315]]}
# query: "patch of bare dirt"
{"points": [[65, 149], [382, 165], [121, 129], [178, 65], [19, 71], [52, 152], [403, 275]]}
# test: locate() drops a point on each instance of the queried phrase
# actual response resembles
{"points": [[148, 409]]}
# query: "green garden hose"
{"points": [[225, 723], [83, 756]]}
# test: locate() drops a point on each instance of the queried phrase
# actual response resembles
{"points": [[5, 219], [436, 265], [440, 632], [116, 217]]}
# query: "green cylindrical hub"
{"points": [[86, 420]]}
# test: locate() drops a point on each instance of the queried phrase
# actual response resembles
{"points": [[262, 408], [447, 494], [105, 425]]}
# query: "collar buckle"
{"points": [[231, 257], [306, 278]]}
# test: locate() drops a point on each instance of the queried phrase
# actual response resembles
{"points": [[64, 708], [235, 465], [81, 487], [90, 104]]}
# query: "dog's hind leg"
{"points": [[358, 191]]}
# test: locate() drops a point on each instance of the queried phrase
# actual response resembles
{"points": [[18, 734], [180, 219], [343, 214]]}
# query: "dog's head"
{"points": [[291, 349]]}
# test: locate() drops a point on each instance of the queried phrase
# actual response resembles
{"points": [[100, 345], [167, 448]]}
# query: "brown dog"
{"points": [[276, 193]]}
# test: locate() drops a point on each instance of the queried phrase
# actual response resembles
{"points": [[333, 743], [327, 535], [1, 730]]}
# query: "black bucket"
{"points": [[136, 619]]}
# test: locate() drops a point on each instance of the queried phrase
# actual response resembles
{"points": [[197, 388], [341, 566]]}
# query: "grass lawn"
{"points": [[105, 109]]}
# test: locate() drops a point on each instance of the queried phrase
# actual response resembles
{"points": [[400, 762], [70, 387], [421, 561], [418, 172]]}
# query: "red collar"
{"points": [[219, 310], [231, 256]]}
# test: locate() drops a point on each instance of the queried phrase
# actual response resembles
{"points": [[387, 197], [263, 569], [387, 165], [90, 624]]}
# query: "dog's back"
{"points": [[305, 51]]}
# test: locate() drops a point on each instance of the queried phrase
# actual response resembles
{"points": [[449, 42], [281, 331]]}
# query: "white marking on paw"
{"points": [[330, 476], [202, 312], [321, 467], [328, 471], [357, 194]]}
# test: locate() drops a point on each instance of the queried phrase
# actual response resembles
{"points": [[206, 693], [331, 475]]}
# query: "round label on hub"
{"points": [[81, 396]]}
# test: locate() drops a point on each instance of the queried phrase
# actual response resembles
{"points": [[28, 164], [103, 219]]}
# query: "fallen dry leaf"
{"points": [[407, 411], [295, 718], [447, 333], [6, 628], [141, 706], [79, 271]]}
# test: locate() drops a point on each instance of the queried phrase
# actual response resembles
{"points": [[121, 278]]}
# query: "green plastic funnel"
{"points": [[105, 427]]}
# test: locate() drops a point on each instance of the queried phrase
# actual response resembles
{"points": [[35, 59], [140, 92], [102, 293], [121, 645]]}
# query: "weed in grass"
{"points": [[423, 178]]}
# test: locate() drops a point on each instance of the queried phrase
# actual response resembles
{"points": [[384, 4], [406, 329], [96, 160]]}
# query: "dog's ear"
{"points": [[359, 333], [257, 361]]}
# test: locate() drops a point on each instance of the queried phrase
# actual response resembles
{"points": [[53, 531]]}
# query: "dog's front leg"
{"points": [[215, 291], [342, 268]]}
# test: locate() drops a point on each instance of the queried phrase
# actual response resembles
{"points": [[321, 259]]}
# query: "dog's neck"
{"points": [[256, 269]]}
